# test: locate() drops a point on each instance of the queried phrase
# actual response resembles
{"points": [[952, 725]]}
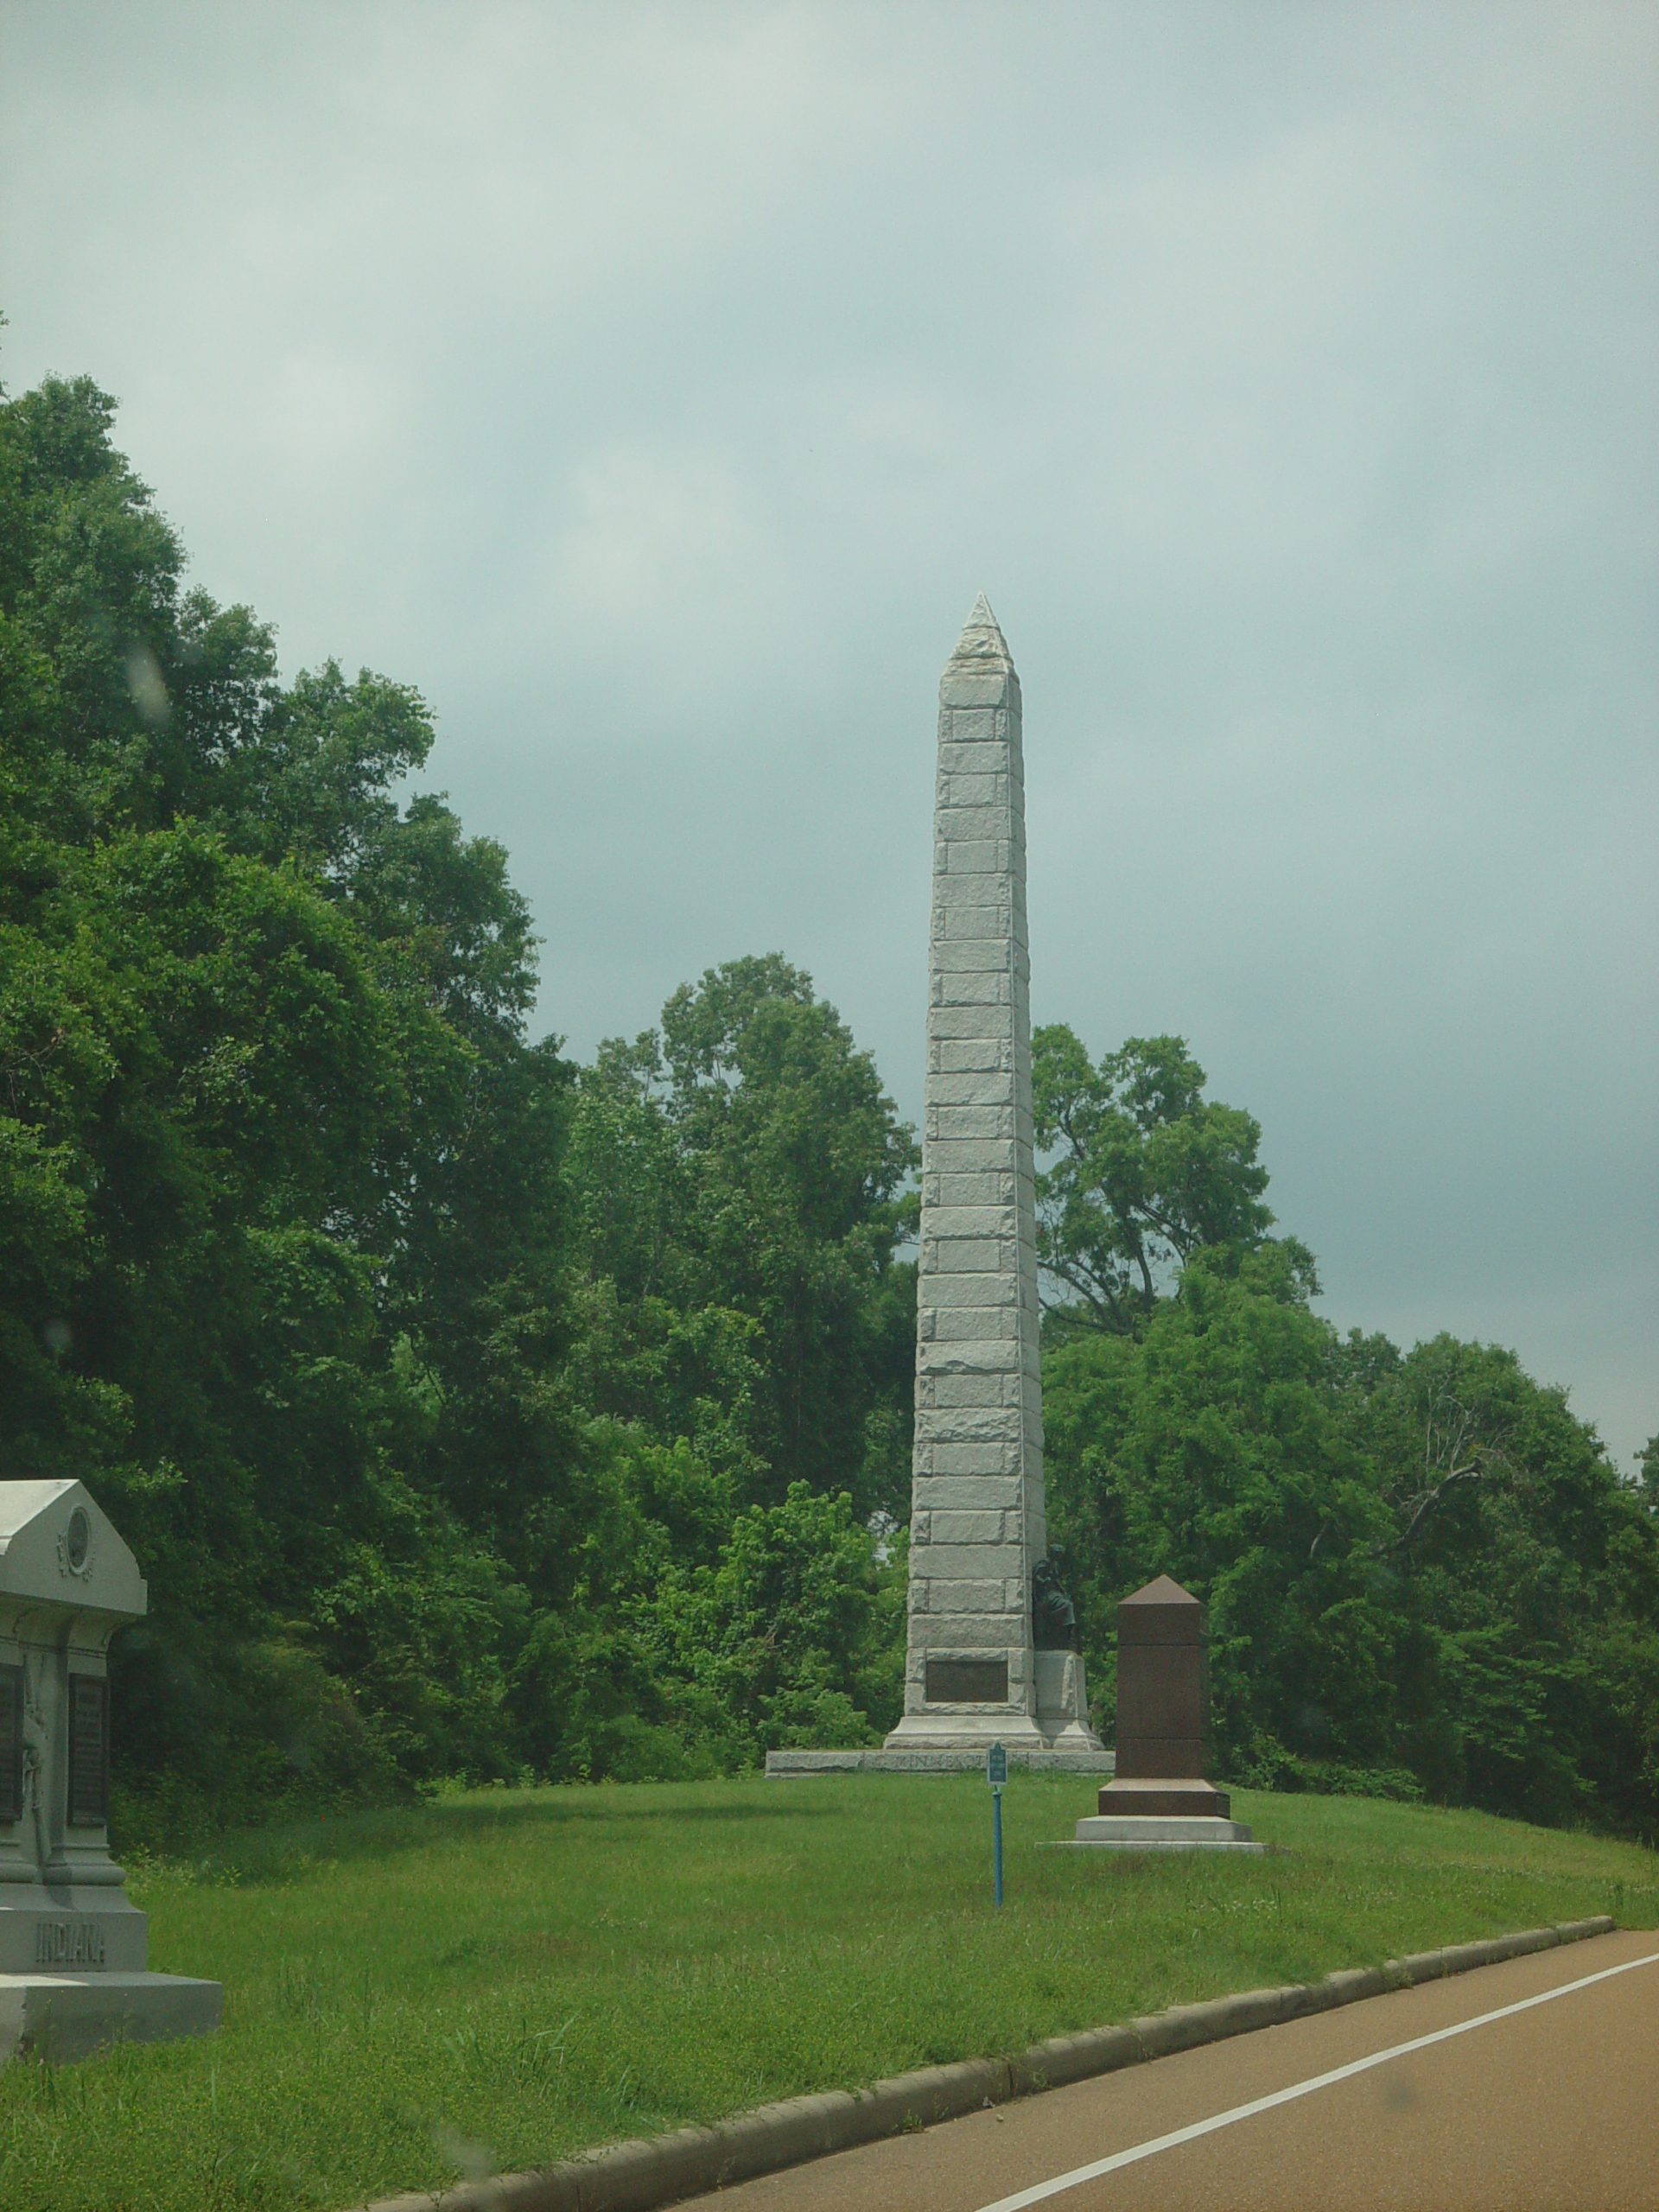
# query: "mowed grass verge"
{"points": [[499, 1980]]}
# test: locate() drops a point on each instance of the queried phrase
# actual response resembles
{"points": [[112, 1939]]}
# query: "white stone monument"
{"points": [[974, 1674], [72, 1946]]}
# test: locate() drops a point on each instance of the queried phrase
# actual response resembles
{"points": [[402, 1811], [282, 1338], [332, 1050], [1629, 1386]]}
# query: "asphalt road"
{"points": [[1553, 2105]]}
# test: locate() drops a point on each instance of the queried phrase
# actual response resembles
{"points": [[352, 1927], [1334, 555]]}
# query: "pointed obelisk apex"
{"points": [[976, 1670], [981, 641]]}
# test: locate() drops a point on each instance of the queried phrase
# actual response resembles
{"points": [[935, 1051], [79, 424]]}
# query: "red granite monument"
{"points": [[1159, 1798]]}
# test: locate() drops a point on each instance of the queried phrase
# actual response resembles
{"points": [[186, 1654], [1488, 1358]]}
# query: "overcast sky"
{"points": [[655, 387]]}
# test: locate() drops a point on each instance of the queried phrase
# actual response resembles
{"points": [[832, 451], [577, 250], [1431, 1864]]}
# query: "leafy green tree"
{"points": [[798, 1156], [647, 1347], [1533, 1571], [594, 1693], [1422, 1573], [1647, 1461], [739, 1180], [1146, 1172], [1205, 1448], [281, 1228], [796, 1636]]}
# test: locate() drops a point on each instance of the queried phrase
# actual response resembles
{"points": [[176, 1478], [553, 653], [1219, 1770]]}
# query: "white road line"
{"points": [[1043, 2189]]}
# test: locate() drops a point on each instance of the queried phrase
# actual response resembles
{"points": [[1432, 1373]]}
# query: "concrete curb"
{"points": [[638, 2177]]}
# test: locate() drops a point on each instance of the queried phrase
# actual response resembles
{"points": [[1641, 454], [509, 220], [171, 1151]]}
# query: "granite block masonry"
{"points": [[72, 1947], [974, 1672], [990, 1657]]}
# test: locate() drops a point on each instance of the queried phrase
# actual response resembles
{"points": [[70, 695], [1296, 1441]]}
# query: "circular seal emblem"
{"points": [[75, 1543]]}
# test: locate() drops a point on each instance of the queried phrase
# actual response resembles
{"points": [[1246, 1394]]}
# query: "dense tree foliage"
{"points": [[476, 1415], [433, 1468], [736, 1179], [1423, 1574], [1146, 1172]]}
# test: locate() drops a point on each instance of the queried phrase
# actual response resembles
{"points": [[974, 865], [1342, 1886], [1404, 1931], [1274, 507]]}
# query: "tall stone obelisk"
{"points": [[977, 1527]]}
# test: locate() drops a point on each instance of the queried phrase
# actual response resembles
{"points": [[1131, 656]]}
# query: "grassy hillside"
{"points": [[503, 1978]]}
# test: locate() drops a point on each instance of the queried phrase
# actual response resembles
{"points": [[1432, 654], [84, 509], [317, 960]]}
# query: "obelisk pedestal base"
{"points": [[966, 1732], [1167, 1797], [1138, 1832], [1164, 1813], [1053, 1758]]}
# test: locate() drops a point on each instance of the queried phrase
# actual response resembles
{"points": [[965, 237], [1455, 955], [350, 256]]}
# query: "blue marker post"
{"points": [[996, 1773]]}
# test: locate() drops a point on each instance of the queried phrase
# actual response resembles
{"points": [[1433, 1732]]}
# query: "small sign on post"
{"points": [[996, 1773]]}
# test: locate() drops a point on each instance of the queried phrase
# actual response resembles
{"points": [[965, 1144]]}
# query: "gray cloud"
{"points": [[655, 387]]}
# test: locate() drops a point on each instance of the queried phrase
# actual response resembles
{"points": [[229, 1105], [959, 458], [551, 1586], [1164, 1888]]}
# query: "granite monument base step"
{"points": [[65, 2016], [784, 1766], [1145, 1831], [1163, 1797]]}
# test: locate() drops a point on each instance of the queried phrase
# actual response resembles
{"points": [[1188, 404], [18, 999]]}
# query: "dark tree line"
{"points": [[1424, 1575], [477, 1414]]}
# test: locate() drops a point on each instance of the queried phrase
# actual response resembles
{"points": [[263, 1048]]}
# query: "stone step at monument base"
{"points": [[1163, 1797], [59, 2016], [1146, 1831], [934, 1760]]}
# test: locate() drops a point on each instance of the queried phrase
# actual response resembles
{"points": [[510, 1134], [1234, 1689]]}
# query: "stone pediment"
{"points": [[59, 1546]]}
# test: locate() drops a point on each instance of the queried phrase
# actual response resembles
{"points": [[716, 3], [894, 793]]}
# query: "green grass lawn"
{"points": [[508, 1977]]}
